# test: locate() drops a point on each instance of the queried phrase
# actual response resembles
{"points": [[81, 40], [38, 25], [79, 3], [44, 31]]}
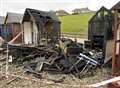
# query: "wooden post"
{"points": [[114, 70], [7, 63], [119, 48], [22, 29]]}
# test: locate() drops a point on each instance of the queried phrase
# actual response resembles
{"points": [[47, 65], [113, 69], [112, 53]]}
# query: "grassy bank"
{"points": [[76, 23]]}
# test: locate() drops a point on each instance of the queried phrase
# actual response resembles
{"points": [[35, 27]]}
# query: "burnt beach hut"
{"points": [[13, 27], [100, 33], [40, 27]]}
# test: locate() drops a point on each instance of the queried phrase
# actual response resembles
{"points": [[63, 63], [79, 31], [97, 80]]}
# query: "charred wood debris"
{"points": [[50, 52], [67, 57]]}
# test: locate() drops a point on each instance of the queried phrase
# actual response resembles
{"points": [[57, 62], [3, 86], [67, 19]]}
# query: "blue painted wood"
{"points": [[0, 29], [8, 33]]}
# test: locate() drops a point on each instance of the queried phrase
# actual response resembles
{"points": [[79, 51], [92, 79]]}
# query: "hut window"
{"points": [[105, 13], [48, 28], [99, 15]]}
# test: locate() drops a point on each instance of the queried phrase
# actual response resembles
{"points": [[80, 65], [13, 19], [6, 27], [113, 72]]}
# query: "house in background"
{"points": [[12, 27], [40, 28], [61, 13], [81, 10]]}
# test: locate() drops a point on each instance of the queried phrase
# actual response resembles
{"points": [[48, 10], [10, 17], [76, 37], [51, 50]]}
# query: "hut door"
{"points": [[27, 33], [48, 29]]}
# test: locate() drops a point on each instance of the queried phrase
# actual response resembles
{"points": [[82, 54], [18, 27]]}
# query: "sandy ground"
{"points": [[69, 81]]}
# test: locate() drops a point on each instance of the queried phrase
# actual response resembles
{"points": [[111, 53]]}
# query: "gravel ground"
{"points": [[69, 81]]}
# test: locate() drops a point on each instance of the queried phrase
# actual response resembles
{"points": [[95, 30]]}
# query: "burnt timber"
{"points": [[100, 33], [40, 27]]}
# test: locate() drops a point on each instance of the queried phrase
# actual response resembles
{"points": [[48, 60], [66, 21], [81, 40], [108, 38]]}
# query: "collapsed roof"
{"points": [[101, 13], [38, 15], [46, 23]]}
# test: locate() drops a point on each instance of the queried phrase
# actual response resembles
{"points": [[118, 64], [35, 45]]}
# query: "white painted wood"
{"points": [[27, 33], [109, 51], [97, 85]]}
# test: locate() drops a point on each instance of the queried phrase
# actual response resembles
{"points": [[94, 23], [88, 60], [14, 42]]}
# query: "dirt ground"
{"points": [[69, 81]]}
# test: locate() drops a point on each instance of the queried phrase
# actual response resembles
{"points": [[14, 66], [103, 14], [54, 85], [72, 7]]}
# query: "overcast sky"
{"points": [[19, 6]]}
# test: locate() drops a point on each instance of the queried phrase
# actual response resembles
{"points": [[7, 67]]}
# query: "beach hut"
{"points": [[40, 27], [100, 32], [13, 27]]}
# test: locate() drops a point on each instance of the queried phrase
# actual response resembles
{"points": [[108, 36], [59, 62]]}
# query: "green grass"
{"points": [[76, 23]]}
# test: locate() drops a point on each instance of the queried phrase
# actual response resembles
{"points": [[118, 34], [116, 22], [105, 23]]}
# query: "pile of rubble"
{"points": [[68, 57]]}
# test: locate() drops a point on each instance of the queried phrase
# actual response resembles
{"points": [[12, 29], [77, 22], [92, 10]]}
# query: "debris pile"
{"points": [[68, 57]]}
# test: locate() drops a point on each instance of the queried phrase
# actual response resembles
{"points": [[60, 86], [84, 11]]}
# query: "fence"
{"points": [[75, 35]]}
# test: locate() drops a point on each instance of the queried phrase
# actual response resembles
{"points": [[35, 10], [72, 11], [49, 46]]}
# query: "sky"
{"points": [[18, 6]]}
